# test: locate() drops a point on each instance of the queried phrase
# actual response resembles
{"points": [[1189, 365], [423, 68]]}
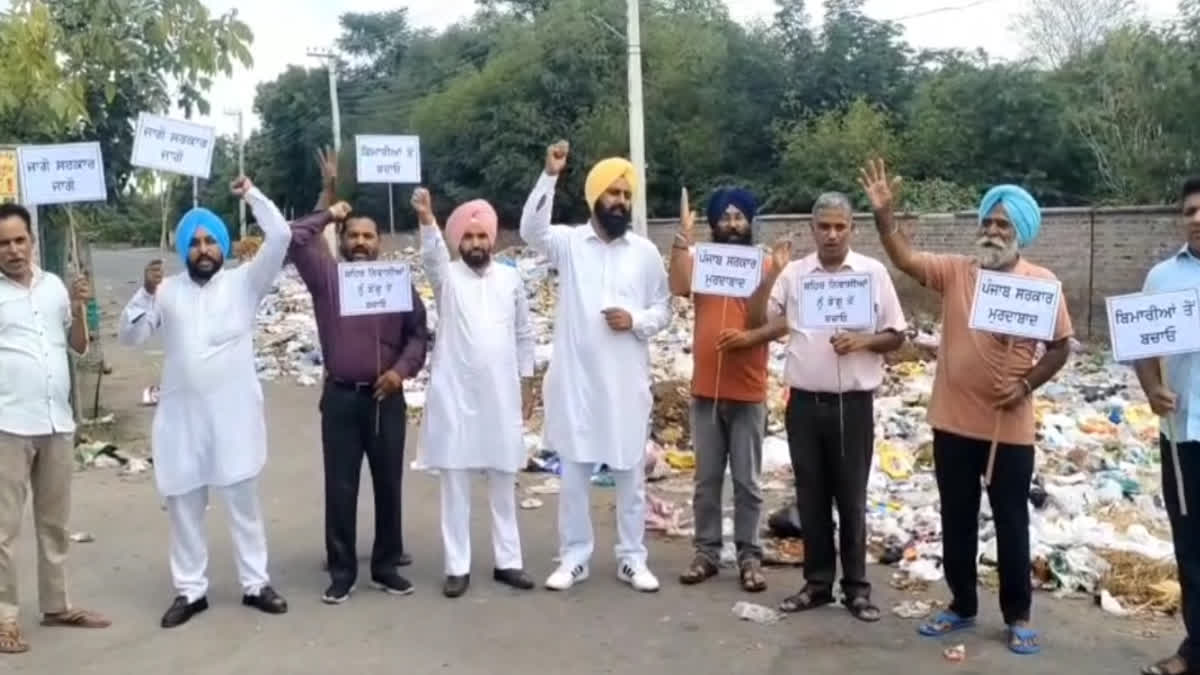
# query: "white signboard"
{"points": [[388, 159], [834, 302], [729, 270], [62, 174], [1011, 304], [1146, 325], [374, 288], [174, 146]]}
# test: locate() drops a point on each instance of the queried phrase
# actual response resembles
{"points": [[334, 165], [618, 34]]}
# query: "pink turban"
{"points": [[477, 214]]}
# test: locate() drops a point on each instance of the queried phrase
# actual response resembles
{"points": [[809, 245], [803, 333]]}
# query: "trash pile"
{"points": [[1098, 525]]}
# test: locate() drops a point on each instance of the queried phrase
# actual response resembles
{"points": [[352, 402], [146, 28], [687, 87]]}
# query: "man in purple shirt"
{"points": [[367, 359]]}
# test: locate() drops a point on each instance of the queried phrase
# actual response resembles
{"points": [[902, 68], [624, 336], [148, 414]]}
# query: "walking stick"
{"points": [[1183, 510], [991, 465]]}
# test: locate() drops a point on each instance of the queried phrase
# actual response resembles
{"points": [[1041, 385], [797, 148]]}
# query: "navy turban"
{"points": [[194, 220], [724, 197], [1022, 208]]}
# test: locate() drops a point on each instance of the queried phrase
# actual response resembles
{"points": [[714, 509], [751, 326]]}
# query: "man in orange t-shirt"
{"points": [[982, 392], [729, 391]]}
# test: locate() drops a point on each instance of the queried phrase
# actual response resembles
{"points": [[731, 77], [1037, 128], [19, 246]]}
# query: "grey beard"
{"points": [[992, 258]]}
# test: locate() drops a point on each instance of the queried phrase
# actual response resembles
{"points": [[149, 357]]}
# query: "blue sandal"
{"points": [[1023, 640], [945, 623]]}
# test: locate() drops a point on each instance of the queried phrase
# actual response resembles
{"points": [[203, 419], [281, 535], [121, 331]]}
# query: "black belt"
{"points": [[829, 398], [351, 386]]}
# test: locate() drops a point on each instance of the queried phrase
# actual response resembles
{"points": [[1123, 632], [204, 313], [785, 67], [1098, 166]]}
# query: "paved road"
{"points": [[600, 627]]}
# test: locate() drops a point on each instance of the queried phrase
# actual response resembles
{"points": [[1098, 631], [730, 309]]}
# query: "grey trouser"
{"points": [[733, 436]]}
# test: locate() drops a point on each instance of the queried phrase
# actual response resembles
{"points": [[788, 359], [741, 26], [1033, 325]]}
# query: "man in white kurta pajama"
{"points": [[473, 409], [209, 429], [612, 298]]}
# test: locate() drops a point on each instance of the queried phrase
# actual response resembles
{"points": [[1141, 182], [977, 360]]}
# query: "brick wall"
{"points": [[1096, 253]]}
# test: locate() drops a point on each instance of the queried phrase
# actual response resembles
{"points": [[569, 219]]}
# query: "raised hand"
{"points": [[81, 291], [556, 157], [781, 253], [327, 160], [241, 186], [687, 219], [880, 188], [152, 276], [423, 205], [339, 211]]}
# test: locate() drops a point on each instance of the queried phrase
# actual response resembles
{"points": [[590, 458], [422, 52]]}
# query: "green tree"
{"points": [[38, 99]]}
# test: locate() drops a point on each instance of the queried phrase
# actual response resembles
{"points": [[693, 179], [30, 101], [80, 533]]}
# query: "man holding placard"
{"points": [[209, 429], [1172, 385], [612, 298], [39, 320], [982, 405], [371, 324], [476, 402], [729, 388], [841, 314]]}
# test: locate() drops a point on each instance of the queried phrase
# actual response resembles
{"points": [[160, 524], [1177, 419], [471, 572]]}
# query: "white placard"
{"points": [[62, 174], [174, 146], [728, 270], [1146, 325], [388, 159], [382, 287], [842, 301], [1010, 304]]}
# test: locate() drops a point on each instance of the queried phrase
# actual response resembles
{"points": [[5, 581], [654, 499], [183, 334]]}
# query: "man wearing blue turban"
{"points": [[982, 402], [209, 430], [728, 411]]}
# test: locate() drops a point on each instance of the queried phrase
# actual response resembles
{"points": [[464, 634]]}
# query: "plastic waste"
{"points": [[748, 611]]}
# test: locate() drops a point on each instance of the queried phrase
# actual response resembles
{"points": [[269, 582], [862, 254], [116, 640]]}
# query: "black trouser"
{"points": [[960, 464], [1186, 532], [348, 431], [830, 467]]}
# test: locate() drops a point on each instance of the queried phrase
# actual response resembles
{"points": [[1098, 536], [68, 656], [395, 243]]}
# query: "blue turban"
{"points": [[722, 198], [1022, 208], [194, 220]]}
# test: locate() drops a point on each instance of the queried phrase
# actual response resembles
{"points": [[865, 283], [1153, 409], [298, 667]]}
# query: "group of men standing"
{"points": [[614, 296]]}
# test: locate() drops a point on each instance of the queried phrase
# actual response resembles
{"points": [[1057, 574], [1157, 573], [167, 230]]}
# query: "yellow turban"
{"points": [[604, 174]]}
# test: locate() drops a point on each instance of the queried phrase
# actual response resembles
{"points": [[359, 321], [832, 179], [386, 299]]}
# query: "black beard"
{"points": [[476, 258], [724, 236], [614, 221], [200, 276], [348, 253]]}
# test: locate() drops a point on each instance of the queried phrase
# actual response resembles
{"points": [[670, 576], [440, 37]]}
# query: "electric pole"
{"points": [[241, 143], [331, 64], [637, 139]]}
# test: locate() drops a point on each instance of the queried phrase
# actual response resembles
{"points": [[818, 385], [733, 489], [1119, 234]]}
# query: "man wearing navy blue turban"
{"points": [[729, 390], [209, 430], [982, 402]]}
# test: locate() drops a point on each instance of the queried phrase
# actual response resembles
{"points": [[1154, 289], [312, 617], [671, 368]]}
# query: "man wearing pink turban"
{"points": [[475, 405]]}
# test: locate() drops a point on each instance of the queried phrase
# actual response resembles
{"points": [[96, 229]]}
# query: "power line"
{"points": [[939, 10]]}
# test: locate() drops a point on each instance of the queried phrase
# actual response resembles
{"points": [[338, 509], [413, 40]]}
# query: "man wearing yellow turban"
{"points": [[612, 299]]}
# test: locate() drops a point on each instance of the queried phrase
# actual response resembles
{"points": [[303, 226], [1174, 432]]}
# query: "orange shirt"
{"points": [[970, 362], [743, 373]]}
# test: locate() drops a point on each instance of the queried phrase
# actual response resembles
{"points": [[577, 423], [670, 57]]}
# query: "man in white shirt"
{"points": [[209, 429], [476, 404], [612, 298], [39, 320]]}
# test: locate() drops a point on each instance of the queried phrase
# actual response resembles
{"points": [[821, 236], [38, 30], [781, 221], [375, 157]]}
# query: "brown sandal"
{"points": [[1172, 665], [11, 640], [753, 579], [76, 618], [701, 569]]}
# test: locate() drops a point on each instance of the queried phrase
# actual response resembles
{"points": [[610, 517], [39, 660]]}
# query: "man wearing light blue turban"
{"points": [[209, 431], [982, 404]]}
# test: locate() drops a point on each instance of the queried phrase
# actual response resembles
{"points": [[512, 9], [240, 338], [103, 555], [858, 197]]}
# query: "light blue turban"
{"points": [[1022, 208], [194, 220]]}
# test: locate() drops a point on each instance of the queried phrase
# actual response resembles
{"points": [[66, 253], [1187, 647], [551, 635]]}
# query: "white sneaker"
{"points": [[565, 577], [639, 576]]}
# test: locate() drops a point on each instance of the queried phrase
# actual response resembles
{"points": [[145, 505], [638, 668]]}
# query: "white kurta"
{"points": [[484, 345], [597, 389], [209, 428]]}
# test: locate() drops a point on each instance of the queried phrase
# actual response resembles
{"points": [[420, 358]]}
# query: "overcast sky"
{"points": [[285, 29]]}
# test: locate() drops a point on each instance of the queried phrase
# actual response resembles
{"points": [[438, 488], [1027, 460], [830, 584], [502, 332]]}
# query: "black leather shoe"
{"points": [[392, 583], [456, 586], [267, 601], [518, 579], [181, 611]]}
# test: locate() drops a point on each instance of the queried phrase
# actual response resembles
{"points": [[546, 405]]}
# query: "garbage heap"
{"points": [[1098, 523]]}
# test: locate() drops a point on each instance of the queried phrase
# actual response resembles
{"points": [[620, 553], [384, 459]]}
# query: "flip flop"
{"points": [[1023, 640], [945, 623]]}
